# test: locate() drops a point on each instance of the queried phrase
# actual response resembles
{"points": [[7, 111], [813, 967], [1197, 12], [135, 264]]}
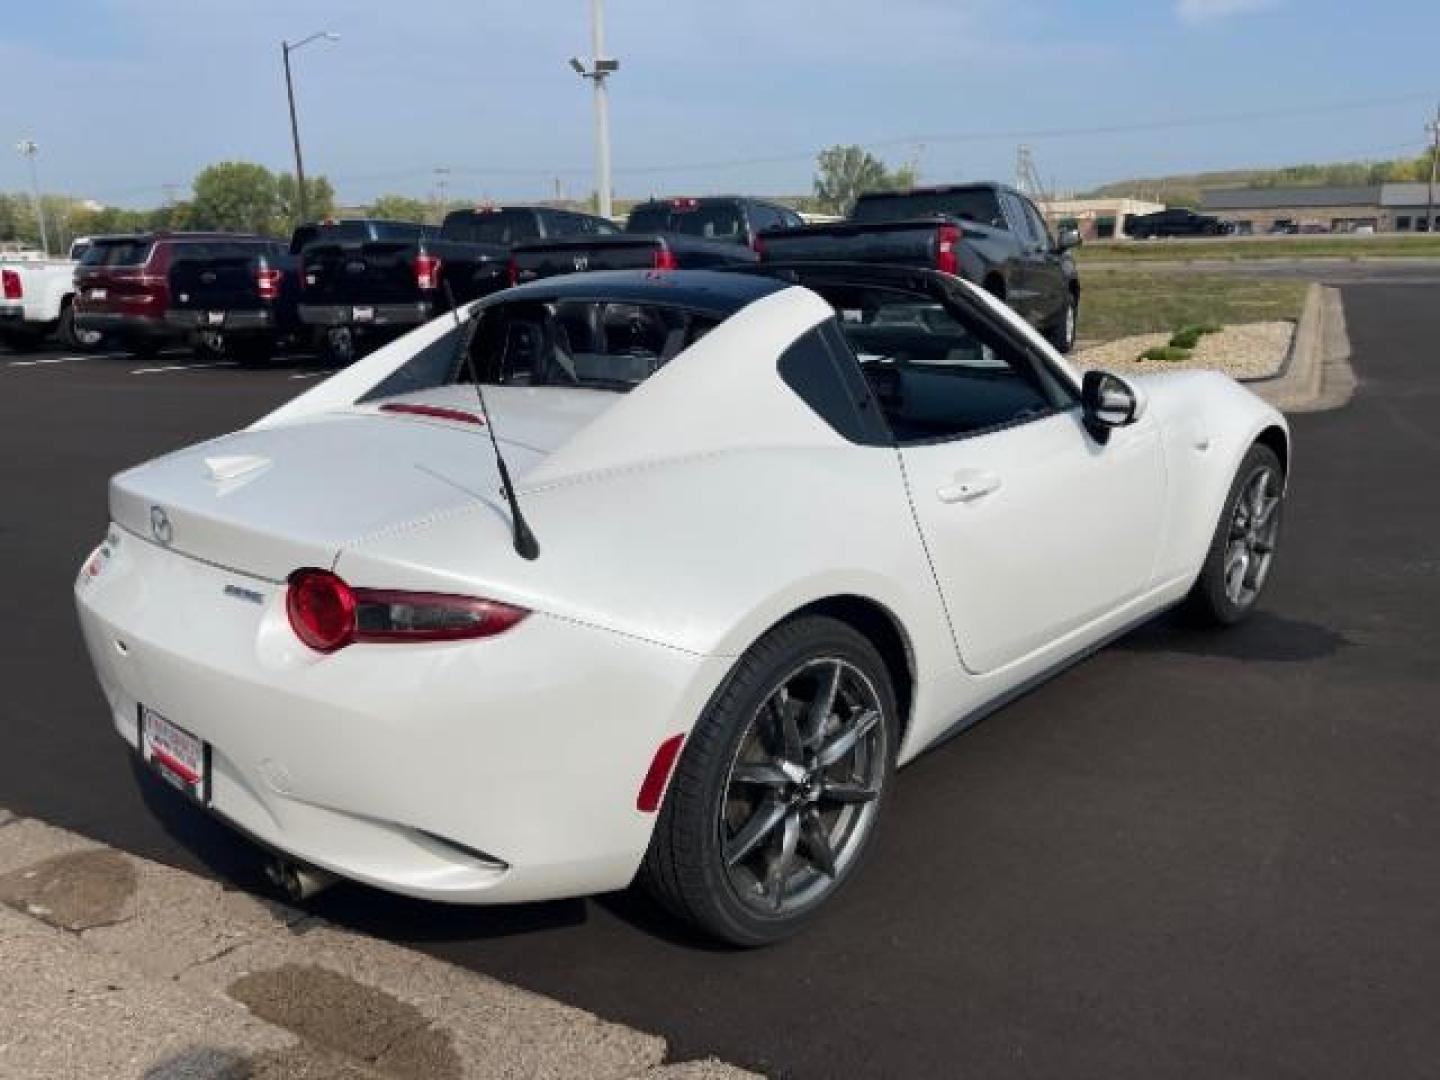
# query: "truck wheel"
{"points": [[340, 346], [72, 337], [1061, 333]]}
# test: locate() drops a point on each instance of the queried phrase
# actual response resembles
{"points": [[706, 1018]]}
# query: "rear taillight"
{"points": [[512, 271], [758, 245], [947, 249], [327, 614], [665, 259], [427, 271], [267, 282], [13, 289], [321, 609]]}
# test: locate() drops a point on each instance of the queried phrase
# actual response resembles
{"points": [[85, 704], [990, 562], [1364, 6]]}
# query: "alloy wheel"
{"points": [[1254, 525], [802, 791]]}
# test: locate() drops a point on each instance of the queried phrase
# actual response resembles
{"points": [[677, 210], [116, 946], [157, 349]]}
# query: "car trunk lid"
{"points": [[265, 502]]}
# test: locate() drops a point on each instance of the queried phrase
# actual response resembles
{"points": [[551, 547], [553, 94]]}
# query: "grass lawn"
{"points": [[1117, 302], [1263, 247]]}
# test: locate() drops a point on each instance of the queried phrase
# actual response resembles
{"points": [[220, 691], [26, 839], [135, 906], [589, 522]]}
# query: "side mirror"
{"points": [[1067, 238], [1108, 402]]}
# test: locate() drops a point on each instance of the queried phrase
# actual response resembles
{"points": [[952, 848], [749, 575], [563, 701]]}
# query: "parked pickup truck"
{"points": [[37, 299], [236, 299], [370, 280], [1176, 221], [988, 233], [122, 285], [663, 234]]}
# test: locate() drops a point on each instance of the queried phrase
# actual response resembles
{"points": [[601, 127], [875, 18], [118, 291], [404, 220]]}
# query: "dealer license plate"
{"points": [[181, 759], [95, 294], [215, 318], [364, 314]]}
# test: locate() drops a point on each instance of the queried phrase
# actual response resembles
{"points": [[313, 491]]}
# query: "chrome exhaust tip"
{"points": [[298, 882]]}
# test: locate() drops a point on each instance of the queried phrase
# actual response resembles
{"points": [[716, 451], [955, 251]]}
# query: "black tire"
{"points": [[1210, 601], [1061, 333], [339, 347], [73, 338], [208, 348], [685, 867]]}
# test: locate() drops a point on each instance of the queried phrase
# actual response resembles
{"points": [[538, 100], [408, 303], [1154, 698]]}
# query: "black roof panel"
{"points": [[712, 291]]}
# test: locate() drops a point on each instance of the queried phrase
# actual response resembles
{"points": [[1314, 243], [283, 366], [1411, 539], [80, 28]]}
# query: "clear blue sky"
{"points": [[125, 96]]}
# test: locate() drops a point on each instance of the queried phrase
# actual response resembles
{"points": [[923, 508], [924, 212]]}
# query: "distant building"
{"points": [[1097, 219], [1382, 207]]}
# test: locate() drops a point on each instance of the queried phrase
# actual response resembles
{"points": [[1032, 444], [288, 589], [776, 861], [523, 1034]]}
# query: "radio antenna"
{"points": [[526, 546]]}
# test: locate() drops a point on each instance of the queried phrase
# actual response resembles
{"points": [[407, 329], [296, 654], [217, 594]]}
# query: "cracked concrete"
{"points": [[114, 966]]}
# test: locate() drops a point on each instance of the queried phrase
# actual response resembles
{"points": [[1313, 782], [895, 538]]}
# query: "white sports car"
{"points": [[768, 536]]}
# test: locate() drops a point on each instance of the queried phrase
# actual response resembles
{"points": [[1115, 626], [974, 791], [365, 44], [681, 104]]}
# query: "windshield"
{"points": [[710, 221], [580, 344], [965, 204], [130, 251]]}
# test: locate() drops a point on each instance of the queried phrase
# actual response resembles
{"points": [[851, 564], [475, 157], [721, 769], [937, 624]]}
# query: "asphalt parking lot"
{"points": [[1195, 854]]}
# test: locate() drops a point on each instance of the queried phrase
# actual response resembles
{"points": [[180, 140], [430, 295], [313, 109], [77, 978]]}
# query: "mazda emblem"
{"points": [[160, 526]]}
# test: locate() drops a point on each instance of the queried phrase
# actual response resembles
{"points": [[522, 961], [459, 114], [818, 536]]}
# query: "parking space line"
{"points": [[182, 367], [43, 360], [314, 374]]}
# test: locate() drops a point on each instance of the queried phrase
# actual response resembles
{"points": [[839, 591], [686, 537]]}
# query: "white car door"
{"points": [[1034, 527]]}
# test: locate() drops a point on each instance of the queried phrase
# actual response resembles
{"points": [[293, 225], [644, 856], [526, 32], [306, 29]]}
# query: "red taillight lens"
{"points": [[947, 244], [512, 271], [267, 282], [321, 609], [758, 245], [13, 289], [427, 271], [328, 614], [665, 260]]}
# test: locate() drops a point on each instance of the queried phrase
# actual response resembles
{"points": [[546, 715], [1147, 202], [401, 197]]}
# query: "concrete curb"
{"points": [[114, 966], [1316, 376]]}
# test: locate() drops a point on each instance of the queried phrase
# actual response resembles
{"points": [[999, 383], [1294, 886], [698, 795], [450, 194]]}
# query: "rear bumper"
{"points": [[234, 320], [471, 772], [12, 317], [152, 327], [380, 315]]}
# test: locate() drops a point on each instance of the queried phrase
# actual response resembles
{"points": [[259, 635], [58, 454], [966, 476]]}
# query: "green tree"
{"points": [[843, 172], [319, 200], [235, 195], [400, 208]]}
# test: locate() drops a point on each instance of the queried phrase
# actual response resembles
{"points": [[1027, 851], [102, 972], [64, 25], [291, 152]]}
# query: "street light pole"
{"points": [[28, 149], [600, 68], [1434, 129], [286, 48]]}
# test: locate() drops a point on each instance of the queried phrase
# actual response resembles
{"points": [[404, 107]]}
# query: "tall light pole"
{"points": [[286, 48], [28, 149], [1434, 130], [600, 68]]}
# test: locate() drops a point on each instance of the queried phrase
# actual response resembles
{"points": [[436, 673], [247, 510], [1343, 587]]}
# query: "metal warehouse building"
{"points": [[1382, 207]]}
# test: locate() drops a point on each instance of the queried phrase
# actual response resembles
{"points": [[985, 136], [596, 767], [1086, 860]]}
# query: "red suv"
{"points": [[122, 286]]}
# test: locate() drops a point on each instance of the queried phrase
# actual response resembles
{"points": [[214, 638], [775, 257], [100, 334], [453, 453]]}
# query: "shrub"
{"points": [[1188, 337], [1168, 354]]}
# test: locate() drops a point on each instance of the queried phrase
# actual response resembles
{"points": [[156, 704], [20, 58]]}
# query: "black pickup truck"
{"points": [[1176, 221], [663, 234], [236, 299], [371, 280], [989, 234]]}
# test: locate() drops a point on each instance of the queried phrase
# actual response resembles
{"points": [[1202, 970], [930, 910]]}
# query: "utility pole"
{"points": [[286, 48], [600, 68], [1434, 129], [442, 183], [28, 149]]}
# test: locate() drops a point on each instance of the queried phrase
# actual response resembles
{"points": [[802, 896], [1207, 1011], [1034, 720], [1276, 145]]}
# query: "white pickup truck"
{"points": [[36, 297]]}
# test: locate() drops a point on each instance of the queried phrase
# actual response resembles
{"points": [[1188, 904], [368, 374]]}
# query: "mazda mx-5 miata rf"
{"points": [[654, 574]]}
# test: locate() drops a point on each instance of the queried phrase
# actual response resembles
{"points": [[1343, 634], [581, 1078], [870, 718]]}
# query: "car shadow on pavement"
{"points": [[1263, 636]]}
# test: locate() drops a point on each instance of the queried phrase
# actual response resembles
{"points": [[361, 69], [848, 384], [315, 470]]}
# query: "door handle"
{"points": [[968, 486]]}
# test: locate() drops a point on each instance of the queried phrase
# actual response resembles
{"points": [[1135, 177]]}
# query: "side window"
{"points": [[814, 368], [763, 217], [935, 377], [793, 220], [1037, 225], [1019, 223]]}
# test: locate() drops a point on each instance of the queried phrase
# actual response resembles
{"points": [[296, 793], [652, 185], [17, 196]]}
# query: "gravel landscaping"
{"points": [[1247, 351]]}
